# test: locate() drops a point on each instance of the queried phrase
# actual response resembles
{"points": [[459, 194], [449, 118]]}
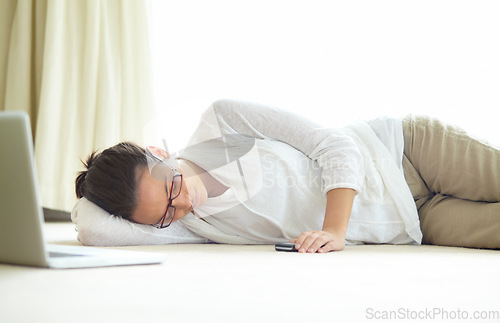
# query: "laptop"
{"points": [[21, 218]]}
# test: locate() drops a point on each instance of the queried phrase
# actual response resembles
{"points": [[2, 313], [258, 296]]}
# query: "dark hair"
{"points": [[111, 177]]}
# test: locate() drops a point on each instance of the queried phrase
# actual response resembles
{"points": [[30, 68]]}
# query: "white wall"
{"points": [[332, 61]]}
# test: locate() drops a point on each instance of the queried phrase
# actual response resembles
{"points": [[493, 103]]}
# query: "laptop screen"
{"points": [[21, 218]]}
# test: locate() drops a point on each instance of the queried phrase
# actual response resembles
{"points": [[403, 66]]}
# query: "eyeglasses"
{"points": [[175, 190]]}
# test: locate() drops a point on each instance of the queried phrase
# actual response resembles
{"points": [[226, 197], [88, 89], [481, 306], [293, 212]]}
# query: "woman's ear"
{"points": [[158, 152]]}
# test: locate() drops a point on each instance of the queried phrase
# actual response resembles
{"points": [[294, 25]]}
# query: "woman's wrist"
{"points": [[338, 210], [339, 232]]}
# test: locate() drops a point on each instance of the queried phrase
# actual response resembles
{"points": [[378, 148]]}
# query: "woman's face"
{"points": [[153, 196]]}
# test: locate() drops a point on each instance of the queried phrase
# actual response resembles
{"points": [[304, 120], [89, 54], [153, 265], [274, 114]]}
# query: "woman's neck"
{"points": [[213, 187]]}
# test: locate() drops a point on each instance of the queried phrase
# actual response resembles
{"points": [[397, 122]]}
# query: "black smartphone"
{"points": [[287, 246]]}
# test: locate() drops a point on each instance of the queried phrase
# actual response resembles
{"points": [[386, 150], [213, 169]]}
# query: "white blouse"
{"points": [[278, 181]]}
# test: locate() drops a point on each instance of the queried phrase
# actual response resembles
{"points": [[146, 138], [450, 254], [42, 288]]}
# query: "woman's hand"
{"points": [[319, 241], [332, 236]]}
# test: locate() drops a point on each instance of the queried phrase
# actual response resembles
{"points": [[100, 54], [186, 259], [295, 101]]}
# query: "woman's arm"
{"points": [[341, 163], [337, 154], [332, 235]]}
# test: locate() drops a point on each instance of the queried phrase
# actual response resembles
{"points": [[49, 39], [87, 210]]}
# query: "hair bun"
{"points": [[80, 184], [80, 179]]}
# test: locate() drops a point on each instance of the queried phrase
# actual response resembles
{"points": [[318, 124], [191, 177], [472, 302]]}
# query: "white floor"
{"points": [[224, 283]]}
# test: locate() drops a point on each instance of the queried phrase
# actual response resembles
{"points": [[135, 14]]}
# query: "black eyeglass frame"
{"points": [[161, 224]]}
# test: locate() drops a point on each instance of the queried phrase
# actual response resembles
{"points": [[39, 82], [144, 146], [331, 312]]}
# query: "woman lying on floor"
{"points": [[253, 174]]}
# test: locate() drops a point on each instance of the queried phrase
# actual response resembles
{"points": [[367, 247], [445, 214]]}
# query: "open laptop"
{"points": [[21, 218]]}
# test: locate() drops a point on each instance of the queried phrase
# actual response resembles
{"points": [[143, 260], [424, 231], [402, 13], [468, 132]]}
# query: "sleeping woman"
{"points": [[253, 174]]}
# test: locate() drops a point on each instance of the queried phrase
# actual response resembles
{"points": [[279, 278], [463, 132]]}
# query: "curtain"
{"points": [[82, 70]]}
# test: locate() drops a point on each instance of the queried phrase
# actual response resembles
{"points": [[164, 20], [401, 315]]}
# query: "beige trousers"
{"points": [[455, 181]]}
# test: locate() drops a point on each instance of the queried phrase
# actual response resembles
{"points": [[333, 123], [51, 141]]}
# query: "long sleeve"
{"points": [[336, 153]]}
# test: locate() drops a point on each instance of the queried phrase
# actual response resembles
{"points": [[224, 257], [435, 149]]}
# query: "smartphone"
{"points": [[287, 246]]}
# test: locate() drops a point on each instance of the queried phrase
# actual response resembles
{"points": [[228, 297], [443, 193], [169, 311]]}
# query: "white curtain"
{"points": [[82, 70]]}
